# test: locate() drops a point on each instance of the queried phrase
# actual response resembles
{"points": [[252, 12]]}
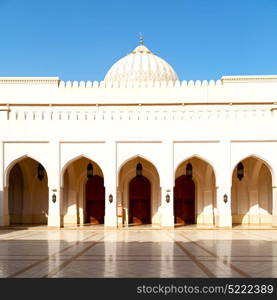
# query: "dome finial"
{"points": [[140, 38], [141, 65]]}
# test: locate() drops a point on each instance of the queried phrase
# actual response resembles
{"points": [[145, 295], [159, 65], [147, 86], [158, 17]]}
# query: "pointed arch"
{"points": [[126, 173], [196, 195], [258, 157], [196, 156], [14, 162], [81, 202], [71, 161], [137, 156], [27, 194], [252, 195]]}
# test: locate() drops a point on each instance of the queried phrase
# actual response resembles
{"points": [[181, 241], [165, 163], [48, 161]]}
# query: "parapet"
{"points": [[248, 78], [43, 90], [128, 84], [30, 80], [139, 84]]}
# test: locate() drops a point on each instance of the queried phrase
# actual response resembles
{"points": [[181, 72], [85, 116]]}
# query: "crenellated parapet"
{"points": [[40, 90], [27, 81], [55, 81], [140, 84]]}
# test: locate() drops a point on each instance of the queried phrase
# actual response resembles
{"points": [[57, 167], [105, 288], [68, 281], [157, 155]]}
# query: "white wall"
{"points": [[48, 128]]}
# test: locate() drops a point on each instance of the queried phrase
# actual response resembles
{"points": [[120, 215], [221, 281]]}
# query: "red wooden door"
{"points": [[140, 200], [95, 200], [184, 200]]}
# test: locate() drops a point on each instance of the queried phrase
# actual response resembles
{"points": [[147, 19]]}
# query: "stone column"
{"points": [[208, 207], [223, 215], [167, 183], [110, 175], [167, 213], [274, 206], [4, 209], [55, 195], [224, 211]]}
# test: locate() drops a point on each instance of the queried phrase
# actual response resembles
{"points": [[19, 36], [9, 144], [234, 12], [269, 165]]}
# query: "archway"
{"points": [[251, 192], [83, 193], [28, 193], [194, 193], [139, 192]]}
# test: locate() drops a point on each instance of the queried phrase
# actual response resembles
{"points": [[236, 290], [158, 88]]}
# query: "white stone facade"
{"points": [[163, 124]]}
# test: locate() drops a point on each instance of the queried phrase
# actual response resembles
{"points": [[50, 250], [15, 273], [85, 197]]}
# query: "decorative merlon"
{"points": [[138, 84]]}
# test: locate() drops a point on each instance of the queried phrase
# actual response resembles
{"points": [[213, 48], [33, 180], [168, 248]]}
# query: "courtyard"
{"points": [[85, 252]]}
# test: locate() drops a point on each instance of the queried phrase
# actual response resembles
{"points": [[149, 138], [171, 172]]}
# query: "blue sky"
{"points": [[80, 40]]}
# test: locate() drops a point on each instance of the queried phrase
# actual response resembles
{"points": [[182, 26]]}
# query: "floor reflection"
{"points": [[138, 253]]}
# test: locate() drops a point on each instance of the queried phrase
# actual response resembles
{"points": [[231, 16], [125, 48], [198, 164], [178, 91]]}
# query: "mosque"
{"points": [[139, 147]]}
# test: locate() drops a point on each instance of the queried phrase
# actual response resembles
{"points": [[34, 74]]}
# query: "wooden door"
{"points": [[95, 200], [16, 194], [184, 200], [140, 200]]}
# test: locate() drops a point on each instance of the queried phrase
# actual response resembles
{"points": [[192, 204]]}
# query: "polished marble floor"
{"points": [[138, 253]]}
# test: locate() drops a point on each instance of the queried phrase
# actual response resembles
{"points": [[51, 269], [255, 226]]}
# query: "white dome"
{"points": [[141, 65]]}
